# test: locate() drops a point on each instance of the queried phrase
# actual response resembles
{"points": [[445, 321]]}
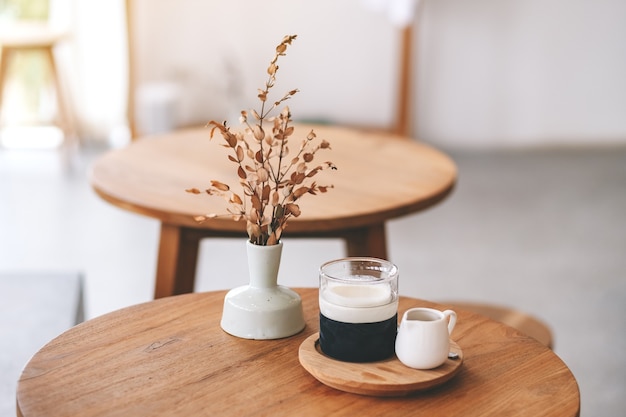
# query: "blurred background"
{"points": [[486, 73], [528, 97]]}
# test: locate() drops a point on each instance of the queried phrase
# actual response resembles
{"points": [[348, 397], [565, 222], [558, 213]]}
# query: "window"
{"points": [[28, 94]]}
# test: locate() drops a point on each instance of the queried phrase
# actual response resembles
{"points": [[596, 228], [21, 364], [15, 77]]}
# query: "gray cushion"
{"points": [[34, 309]]}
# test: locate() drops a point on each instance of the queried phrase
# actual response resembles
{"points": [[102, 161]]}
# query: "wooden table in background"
{"points": [[380, 176], [169, 357]]}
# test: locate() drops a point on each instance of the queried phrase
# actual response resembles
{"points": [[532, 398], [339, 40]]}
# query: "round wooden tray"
{"points": [[388, 378]]}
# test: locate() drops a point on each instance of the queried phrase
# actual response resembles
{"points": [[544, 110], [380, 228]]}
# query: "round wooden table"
{"points": [[169, 357], [380, 176]]}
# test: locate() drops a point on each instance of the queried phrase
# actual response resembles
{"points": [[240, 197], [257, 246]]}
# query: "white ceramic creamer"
{"points": [[423, 339]]}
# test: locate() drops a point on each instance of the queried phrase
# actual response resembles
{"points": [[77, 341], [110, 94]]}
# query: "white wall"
{"points": [[490, 72], [511, 72], [218, 53]]}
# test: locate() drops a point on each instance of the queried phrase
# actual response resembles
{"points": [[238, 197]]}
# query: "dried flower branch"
{"points": [[272, 181]]}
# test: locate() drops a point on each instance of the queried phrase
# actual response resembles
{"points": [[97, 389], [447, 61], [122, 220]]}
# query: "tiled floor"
{"points": [[543, 231]]}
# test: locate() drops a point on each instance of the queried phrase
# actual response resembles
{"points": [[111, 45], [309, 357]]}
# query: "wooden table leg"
{"points": [[367, 241], [178, 254], [177, 259]]}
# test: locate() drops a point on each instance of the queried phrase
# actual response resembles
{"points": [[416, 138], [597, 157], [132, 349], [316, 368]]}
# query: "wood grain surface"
{"points": [[385, 378], [169, 357], [380, 176]]}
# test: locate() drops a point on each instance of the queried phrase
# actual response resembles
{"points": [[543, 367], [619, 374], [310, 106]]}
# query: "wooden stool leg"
{"points": [[66, 122], [65, 119], [367, 241], [5, 53], [177, 259]]}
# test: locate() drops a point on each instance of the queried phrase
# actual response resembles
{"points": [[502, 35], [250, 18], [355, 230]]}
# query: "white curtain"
{"points": [[93, 64]]}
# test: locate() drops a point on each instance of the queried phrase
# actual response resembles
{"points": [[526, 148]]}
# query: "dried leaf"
{"points": [[264, 170], [254, 231], [272, 240], [288, 38], [235, 199], [279, 212], [297, 178], [256, 202], [313, 172], [230, 138], [300, 192], [266, 193], [219, 185], [292, 209], [254, 216], [263, 174], [259, 134]]}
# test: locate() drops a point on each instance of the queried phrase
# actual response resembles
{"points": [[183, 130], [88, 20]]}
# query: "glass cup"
{"points": [[358, 300]]}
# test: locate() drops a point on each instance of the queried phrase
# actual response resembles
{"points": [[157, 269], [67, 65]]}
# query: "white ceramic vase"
{"points": [[262, 309]]}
